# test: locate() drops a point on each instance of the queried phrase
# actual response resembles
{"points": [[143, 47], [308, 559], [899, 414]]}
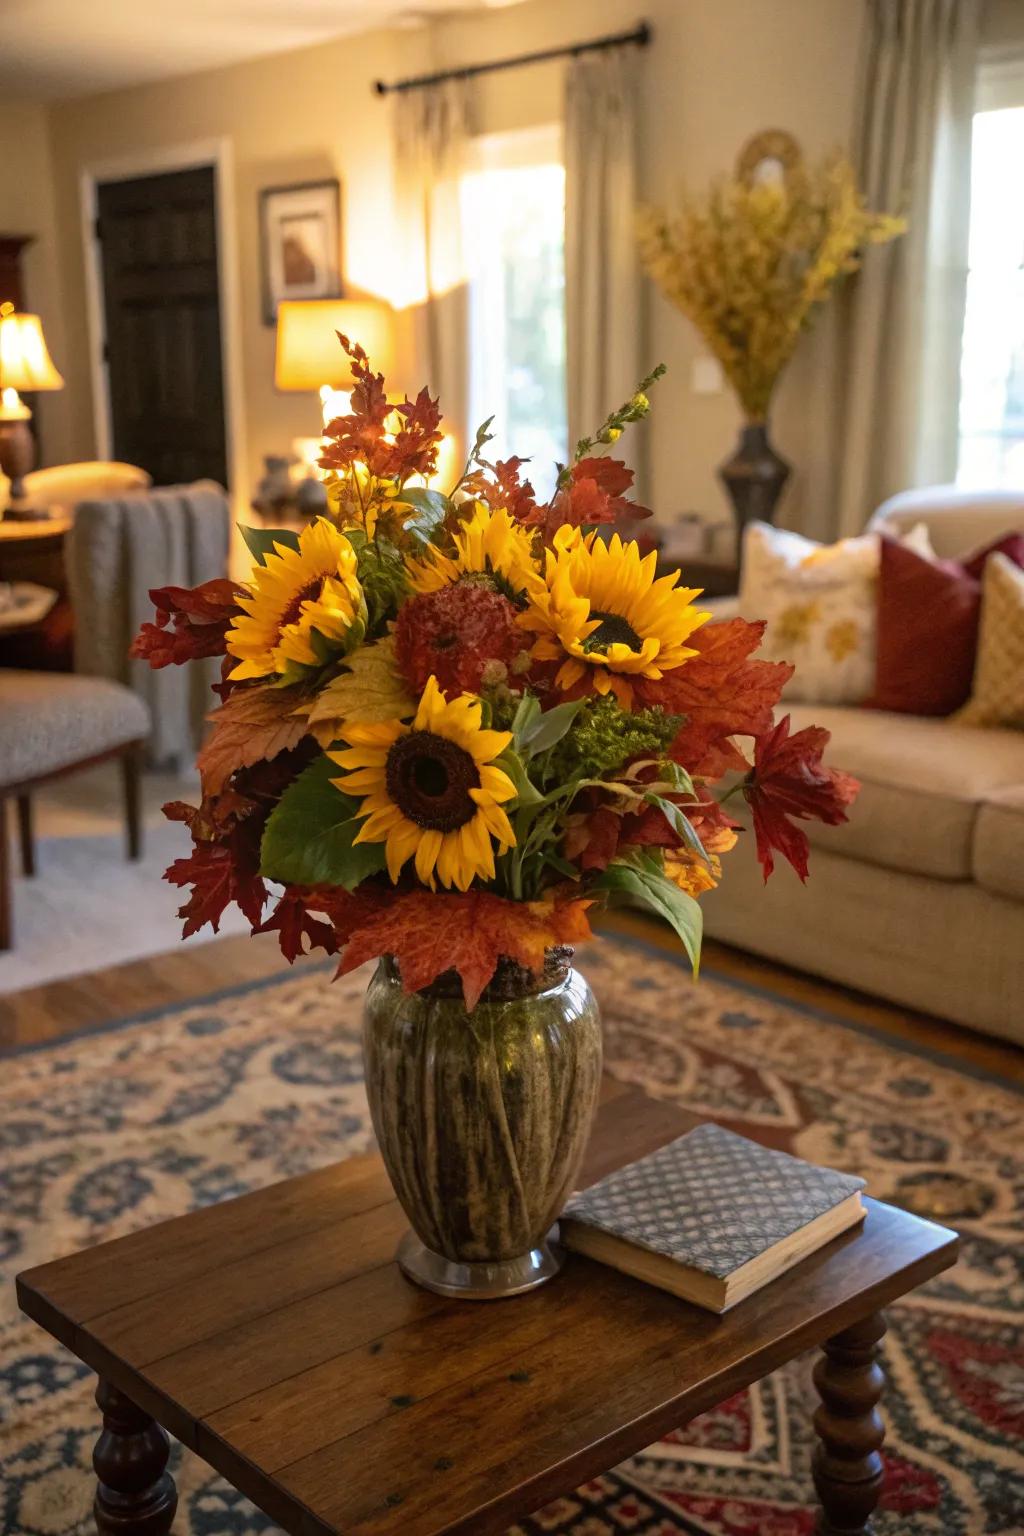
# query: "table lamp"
{"points": [[309, 355], [25, 364]]}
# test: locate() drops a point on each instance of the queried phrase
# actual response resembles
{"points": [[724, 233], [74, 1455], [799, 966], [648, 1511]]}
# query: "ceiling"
{"points": [[52, 49]]}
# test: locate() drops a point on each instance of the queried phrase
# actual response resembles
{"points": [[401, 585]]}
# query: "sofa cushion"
{"points": [[51, 720], [999, 843], [928, 613], [923, 784]]}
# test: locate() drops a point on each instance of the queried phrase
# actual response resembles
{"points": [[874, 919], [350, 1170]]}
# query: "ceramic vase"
{"points": [[754, 476]]}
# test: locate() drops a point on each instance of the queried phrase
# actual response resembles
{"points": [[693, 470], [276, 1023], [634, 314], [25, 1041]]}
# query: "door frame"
{"points": [[218, 154]]}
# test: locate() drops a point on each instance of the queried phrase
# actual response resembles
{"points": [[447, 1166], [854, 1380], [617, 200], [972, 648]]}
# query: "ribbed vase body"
{"points": [[482, 1118]]}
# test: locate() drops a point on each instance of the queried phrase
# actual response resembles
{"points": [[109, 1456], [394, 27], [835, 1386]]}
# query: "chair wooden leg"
{"points": [[131, 765], [6, 921], [28, 849]]}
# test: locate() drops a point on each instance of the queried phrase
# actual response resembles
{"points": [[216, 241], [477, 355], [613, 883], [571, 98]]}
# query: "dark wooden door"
{"points": [[158, 244]]}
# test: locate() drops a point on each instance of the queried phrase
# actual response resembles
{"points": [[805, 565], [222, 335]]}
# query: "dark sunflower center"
{"points": [[310, 592], [429, 779], [612, 629]]}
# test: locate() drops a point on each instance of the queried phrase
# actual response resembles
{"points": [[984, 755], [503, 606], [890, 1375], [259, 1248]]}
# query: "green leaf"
{"points": [[526, 792], [644, 883], [260, 541], [545, 729], [676, 775], [679, 822], [526, 712], [430, 510], [562, 866], [310, 835]]}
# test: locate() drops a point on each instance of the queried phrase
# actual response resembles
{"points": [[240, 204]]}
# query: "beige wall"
{"points": [[718, 71], [28, 207]]}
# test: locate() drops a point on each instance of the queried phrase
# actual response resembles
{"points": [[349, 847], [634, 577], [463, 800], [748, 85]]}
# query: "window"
{"points": [[991, 447], [513, 221]]}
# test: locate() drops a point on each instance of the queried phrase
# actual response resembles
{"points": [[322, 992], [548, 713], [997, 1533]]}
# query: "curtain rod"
{"points": [[640, 36]]}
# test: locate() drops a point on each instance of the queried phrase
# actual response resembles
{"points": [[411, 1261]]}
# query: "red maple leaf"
{"points": [[293, 922], [429, 933], [595, 493], [790, 779], [592, 838], [201, 618], [217, 879], [721, 692], [500, 486], [253, 725]]}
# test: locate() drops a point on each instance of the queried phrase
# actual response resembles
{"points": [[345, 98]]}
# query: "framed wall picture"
{"points": [[300, 241]]}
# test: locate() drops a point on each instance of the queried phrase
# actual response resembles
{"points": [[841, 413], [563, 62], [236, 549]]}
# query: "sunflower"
{"points": [[602, 612], [430, 790], [490, 543], [303, 606]]}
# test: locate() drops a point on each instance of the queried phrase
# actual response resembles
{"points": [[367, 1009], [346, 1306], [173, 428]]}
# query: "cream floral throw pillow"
{"points": [[820, 601], [997, 694]]}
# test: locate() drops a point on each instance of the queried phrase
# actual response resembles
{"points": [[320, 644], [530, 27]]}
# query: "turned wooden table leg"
{"points": [[135, 1495], [847, 1464]]}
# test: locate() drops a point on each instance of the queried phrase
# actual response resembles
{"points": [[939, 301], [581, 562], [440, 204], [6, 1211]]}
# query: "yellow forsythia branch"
{"points": [[750, 263]]}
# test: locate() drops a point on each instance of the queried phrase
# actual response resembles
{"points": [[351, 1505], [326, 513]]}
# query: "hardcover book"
{"points": [[712, 1216]]}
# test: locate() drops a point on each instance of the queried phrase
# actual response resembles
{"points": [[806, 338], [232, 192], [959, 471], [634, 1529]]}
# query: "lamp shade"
{"points": [[309, 354], [25, 362]]}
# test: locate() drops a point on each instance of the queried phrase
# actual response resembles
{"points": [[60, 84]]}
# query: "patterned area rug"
{"points": [[121, 1128]]}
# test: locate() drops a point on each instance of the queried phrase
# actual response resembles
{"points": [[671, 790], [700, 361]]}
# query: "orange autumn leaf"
{"points": [[722, 692], [429, 933], [500, 486], [365, 437], [594, 493], [253, 726]]}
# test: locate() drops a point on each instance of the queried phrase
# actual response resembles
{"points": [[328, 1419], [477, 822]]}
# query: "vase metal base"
{"points": [[480, 1282]]}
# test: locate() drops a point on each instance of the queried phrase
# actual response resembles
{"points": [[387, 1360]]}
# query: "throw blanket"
{"points": [[116, 552]]}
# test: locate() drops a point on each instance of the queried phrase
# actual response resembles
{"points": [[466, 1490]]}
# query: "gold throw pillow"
{"points": [[997, 694]]}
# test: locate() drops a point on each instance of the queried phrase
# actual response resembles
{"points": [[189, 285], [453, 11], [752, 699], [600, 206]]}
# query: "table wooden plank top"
{"points": [[275, 1335]]}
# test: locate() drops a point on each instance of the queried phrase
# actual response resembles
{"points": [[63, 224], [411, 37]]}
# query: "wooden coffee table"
{"points": [[276, 1337]]}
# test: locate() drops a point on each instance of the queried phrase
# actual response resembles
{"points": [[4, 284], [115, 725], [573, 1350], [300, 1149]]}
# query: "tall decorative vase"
{"points": [[482, 1119], [754, 476]]}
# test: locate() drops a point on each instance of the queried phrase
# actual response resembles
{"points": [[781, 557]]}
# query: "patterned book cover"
{"points": [[712, 1200]]}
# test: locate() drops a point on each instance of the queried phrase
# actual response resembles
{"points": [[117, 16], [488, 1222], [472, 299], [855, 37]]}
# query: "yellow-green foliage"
{"points": [[750, 264]]}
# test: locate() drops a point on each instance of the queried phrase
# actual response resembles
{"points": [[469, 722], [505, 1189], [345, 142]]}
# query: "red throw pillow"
{"points": [[1011, 545], [928, 614]]}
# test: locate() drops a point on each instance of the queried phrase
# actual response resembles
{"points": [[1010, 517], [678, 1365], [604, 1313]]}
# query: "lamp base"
{"points": [[17, 454]]}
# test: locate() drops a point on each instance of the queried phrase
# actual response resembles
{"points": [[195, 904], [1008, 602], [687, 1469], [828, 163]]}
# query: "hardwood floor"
{"points": [[60, 1008]]}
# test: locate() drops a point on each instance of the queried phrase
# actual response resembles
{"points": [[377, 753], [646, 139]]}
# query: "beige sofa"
{"points": [[920, 897]]}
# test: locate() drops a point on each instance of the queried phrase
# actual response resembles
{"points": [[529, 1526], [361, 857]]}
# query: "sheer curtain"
{"points": [[431, 131], [601, 270], [903, 314]]}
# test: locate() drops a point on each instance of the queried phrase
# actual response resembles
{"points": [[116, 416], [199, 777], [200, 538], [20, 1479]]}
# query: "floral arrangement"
{"points": [[451, 724], [752, 261]]}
